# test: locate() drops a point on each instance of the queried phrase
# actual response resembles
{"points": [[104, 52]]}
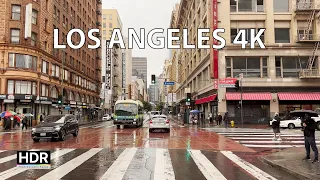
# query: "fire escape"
{"points": [[310, 8]]}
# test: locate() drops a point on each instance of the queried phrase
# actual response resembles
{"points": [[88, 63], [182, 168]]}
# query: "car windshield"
{"points": [[126, 110], [55, 119]]}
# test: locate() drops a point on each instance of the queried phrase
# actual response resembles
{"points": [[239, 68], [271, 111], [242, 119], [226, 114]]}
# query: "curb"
{"points": [[294, 173]]}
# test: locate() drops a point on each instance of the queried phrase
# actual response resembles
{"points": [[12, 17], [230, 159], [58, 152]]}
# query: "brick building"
{"points": [[33, 74]]}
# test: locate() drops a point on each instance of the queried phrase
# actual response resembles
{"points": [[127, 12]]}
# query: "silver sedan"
{"points": [[159, 122]]}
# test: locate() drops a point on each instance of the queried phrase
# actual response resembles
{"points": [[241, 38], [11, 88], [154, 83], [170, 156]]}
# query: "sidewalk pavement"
{"points": [[290, 161]]}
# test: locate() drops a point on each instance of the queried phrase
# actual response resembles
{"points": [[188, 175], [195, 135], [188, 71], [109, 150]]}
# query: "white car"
{"points": [[295, 123], [106, 117], [159, 122]]}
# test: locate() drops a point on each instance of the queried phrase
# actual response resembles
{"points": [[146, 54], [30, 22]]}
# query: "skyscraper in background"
{"points": [[139, 68]]}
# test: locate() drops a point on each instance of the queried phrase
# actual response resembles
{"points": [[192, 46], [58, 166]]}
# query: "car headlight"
{"points": [[57, 128], [134, 119]]}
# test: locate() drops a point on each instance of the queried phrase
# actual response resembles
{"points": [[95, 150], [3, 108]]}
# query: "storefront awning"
{"points": [[299, 96], [235, 96], [206, 99]]}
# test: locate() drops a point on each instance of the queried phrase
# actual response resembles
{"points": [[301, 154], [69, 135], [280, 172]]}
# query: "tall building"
{"points": [[110, 21], [140, 68], [34, 74], [153, 91], [283, 77], [126, 68]]}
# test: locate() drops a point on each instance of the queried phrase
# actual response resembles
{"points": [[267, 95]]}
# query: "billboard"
{"points": [[108, 67], [215, 61]]}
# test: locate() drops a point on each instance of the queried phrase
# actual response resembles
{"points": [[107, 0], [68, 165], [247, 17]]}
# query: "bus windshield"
{"points": [[126, 109]]}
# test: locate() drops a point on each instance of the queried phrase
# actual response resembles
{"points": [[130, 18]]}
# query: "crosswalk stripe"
{"points": [[264, 135], [119, 166], [273, 146], [264, 138], [16, 170], [12, 157], [2, 151], [205, 166], [256, 133], [64, 169], [163, 165], [253, 170], [273, 142]]}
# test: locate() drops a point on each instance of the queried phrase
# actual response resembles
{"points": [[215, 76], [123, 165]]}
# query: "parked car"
{"points": [[56, 127], [295, 122], [106, 117], [159, 122]]}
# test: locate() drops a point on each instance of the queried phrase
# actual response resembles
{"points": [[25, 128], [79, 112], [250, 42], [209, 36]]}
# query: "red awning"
{"points": [[299, 96], [248, 96], [206, 99]]}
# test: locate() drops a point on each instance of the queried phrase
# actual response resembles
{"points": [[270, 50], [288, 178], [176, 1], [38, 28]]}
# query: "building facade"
{"points": [[110, 20], [283, 77], [33, 73], [140, 68], [126, 68], [153, 91]]}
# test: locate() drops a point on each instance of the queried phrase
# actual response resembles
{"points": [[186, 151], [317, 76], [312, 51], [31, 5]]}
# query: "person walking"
{"points": [[276, 127], [24, 122], [210, 118], [219, 119], [225, 120], [309, 128]]}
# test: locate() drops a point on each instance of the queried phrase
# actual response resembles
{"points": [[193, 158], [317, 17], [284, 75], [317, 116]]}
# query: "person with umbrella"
{"points": [[24, 122], [309, 127]]}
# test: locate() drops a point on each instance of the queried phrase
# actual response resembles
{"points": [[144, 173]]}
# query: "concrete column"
{"points": [[222, 103], [274, 104], [272, 67], [269, 24]]}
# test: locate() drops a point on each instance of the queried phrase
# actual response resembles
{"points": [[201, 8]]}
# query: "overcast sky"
{"points": [[146, 14]]}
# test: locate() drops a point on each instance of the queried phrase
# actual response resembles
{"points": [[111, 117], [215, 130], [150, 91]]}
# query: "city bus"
{"points": [[128, 112]]}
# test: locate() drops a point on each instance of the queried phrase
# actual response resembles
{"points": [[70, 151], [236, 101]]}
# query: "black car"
{"points": [[56, 127]]}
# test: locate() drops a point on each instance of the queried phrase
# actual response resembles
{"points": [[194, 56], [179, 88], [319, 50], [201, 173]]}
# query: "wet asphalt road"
{"points": [[102, 151]]}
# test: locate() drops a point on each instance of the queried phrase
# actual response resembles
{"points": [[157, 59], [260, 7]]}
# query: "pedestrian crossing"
{"points": [[263, 138], [136, 163]]}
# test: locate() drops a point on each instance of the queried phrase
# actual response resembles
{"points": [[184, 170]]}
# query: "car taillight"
{"points": [[150, 121], [167, 121]]}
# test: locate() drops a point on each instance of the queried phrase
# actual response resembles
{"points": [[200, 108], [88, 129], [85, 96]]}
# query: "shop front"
{"points": [[2, 98], [256, 105], [9, 103], [73, 107], [206, 106], [43, 105], [24, 104], [289, 101]]}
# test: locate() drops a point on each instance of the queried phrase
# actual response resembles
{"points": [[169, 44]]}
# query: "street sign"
{"points": [[215, 84], [227, 82], [166, 83]]}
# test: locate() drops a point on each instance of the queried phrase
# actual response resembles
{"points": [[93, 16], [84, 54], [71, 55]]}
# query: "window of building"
{"points": [[15, 12], [104, 25], [22, 87], [33, 39], [44, 90], [110, 17], [46, 24], [65, 75], [22, 61], [281, 5], [46, 45], [54, 93], [249, 66], [55, 71], [104, 16], [15, 36], [47, 5], [246, 6], [289, 67], [45, 67], [34, 19], [110, 25], [282, 35]]}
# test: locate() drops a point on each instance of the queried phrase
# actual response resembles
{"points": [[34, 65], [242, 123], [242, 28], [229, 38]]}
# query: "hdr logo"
{"points": [[34, 159]]}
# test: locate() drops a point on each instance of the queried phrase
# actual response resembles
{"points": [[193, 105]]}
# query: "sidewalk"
{"points": [[290, 161]]}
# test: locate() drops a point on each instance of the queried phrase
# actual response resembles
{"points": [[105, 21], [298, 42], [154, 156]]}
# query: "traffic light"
{"points": [[188, 97], [60, 100], [153, 79], [237, 85]]}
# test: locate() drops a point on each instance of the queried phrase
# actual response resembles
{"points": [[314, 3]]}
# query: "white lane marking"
{"points": [[16, 170], [2, 151], [265, 138], [64, 169], [273, 142], [273, 146], [163, 166], [117, 170], [105, 127], [12, 157], [253, 170], [251, 133], [266, 135], [205, 166]]}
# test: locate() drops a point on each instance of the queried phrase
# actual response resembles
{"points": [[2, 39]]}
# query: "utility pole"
{"points": [[241, 105]]}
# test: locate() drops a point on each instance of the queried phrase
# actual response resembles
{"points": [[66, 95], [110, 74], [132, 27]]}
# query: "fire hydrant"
{"points": [[232, 123]]}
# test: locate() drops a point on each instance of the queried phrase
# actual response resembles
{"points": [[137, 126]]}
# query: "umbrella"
{"points": [[28, 115], [301, 113], [195, 111], [7, 113]]}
